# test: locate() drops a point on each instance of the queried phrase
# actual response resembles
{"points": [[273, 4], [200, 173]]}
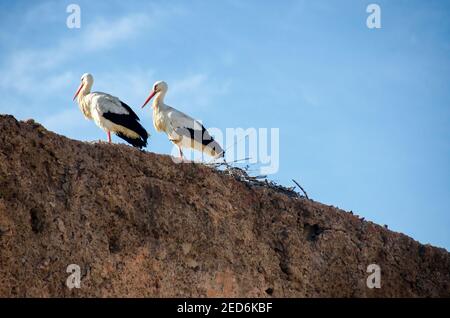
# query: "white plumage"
{"points": [[182, 130], [110, 113]]}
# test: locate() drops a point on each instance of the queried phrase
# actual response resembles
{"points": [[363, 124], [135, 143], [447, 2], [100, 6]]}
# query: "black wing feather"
{"points": [[196, 134], [130, 111], [131, 122], [136, 142], [200, 136]]}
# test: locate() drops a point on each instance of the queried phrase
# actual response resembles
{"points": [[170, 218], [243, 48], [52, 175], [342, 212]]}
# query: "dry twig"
{"points": [[301, 188]]}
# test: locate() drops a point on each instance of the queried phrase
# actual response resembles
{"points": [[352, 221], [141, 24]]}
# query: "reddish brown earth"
{"points": [[139, 225]]}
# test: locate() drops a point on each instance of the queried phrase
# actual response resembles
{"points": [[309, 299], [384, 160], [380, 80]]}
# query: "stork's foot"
{"points": [[100, 141]]}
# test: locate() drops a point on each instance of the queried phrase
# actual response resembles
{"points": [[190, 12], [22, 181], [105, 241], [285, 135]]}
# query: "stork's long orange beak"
{"points": [[78, 91], [148, 98]]}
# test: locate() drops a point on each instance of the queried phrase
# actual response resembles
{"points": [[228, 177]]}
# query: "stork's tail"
{"points": [[221, 154], [139, 142], [130, 122], [214, 150]]}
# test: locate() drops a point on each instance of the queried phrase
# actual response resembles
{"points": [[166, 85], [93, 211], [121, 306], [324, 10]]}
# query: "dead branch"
{"points": [[243, 175], [301, 188]]}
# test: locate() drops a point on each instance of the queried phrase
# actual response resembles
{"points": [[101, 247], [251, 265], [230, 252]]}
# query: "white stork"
{"points": [[181, 129], [110, 114]]}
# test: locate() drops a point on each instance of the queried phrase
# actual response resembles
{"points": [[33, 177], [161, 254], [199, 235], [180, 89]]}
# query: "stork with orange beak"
{"points": [[181, 129], [110, 114]]}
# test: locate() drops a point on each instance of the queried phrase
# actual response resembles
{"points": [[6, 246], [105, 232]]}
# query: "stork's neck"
{"points": [[84, 91], [83, 102], [159, 100]]}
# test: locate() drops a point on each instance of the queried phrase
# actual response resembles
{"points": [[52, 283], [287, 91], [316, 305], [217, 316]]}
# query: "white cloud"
{"points": [[131, 86], [190, 83], [104, 35], [66, 120], [43, 11], [25, 69], [197, 90]]}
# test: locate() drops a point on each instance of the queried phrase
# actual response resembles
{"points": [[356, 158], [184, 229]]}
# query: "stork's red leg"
{"points": [[109, 136]]}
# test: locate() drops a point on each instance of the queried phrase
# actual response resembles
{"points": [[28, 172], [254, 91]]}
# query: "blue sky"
{"points": [[364, 115]]}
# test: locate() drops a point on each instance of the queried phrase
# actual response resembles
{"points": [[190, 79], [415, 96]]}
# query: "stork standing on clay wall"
{"points": [[110, 114], [181, 129]]}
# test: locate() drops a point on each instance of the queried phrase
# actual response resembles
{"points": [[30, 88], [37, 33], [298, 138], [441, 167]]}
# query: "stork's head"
{"points": [[159, 86], [86, 82]]}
